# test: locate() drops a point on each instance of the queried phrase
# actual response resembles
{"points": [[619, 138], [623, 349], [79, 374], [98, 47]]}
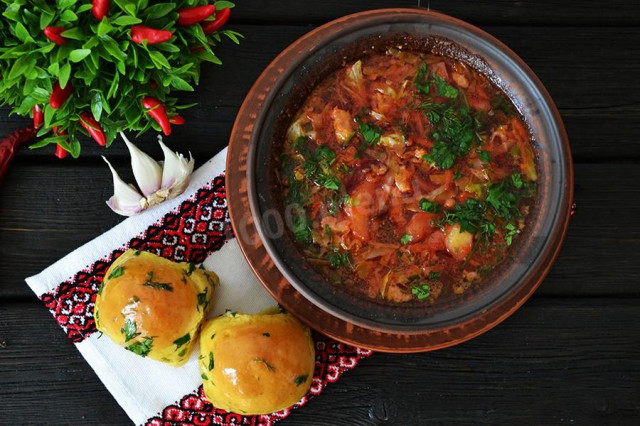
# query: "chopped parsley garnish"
{"points": [[155, 284], [429, 206], [137, 253], [141, 348], [406, 239], [182, 352], [443, 88], [136, 299], [484, 156], [455, 130], [421, 291], [505, 195], [129, 330], [301, 379], [338, 259], [192, 267], [204, 376], [301, 227], [424, 81], [370, 133], [210, 361], [433, 276], [512, 231], [202, 300], [269, 366], [117, 272], [100, 288], [182, 340], [266, 334], [471, 216], [317, 168]]}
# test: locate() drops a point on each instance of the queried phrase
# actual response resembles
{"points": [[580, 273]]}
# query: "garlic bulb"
{"points": [[158, 181]]}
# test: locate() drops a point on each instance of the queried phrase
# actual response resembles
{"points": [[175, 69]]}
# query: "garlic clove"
{"points": [[176, 171], [126, 201], [146, 170]]}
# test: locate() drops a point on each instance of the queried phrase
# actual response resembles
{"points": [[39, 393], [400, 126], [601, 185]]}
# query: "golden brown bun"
{"points": [[153, 306], [256, 364]]}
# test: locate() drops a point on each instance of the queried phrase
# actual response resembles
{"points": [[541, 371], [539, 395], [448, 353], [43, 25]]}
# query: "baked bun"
{"points": [[255, 364], [153, 306]]}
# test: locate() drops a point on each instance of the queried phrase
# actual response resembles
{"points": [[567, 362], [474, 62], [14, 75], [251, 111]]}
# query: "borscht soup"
{"points": [[409, 176]]}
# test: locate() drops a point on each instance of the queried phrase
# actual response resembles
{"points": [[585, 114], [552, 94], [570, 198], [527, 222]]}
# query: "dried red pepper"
{"points": [[221, 18], [158, 112], [53, 34], [193, 15], [93, 128], [9, 146], [139, 33], [100, 9], [177, 120], [38, 117], [59, 95]]}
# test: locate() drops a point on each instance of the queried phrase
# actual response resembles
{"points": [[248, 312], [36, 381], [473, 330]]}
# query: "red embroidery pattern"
{"points": [[190, 233], [198, 227], [332, 359]]}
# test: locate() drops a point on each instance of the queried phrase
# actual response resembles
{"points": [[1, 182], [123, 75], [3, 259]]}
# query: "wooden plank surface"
{"points": [[571, 361], [588, 80], [571, 355], [31, 239], [503, 12]]}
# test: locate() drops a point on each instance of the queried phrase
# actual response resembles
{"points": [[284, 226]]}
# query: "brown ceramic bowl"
{"points": [[253, 162]]}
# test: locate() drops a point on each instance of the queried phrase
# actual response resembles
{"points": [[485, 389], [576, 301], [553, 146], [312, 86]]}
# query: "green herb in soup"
{"points": [[412, 175]]}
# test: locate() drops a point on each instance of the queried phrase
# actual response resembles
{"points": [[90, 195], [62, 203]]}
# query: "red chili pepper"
{"points": [[93, 128], [100, 9], [53, 34], [157, 111], [9, 146], [139, 33], [177, 120], [192, 15], [60, 151], [38, 117], [59, 96], [221, 18]]}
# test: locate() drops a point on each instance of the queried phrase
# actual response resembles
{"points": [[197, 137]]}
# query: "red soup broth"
{"points": [[411, 175]]}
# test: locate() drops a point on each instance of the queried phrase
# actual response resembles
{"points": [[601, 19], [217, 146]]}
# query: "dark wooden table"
{"points": [[571, 355]]}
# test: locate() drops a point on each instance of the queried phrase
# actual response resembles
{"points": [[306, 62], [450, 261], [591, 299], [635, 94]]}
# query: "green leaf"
{"points": [[159, 59], [74, 34], [123, 21], [104, 27], [180, 84], [65, 4], [64, 74], [22, 65], [159, 10], [224, 5], [79, 54], [68, 16], [22, 33], [113, 48]]}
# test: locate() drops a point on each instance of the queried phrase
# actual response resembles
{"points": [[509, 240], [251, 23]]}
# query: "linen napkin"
{"points": [[194, 227]]}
